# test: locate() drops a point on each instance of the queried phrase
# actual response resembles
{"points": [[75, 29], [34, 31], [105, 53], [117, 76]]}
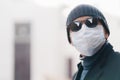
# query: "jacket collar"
{"points": [[102, 54], [105, 51]]}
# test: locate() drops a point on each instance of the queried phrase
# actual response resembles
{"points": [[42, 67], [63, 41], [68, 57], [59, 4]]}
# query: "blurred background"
{"points": [[33, 39]]}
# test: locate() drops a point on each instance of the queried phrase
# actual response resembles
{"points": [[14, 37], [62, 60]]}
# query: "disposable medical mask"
{"points": [[88, 40]]}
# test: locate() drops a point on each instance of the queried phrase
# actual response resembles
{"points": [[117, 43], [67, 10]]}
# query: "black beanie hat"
{"points": [[85, 10]]}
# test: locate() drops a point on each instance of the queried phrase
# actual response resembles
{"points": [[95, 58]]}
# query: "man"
{"points": [[88, 31]]}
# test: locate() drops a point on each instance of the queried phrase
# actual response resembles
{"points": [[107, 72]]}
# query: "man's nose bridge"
{"points": [[83, 27]]}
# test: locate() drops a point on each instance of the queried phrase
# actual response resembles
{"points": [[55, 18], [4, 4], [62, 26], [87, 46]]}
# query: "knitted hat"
{"points": [[85, 10]]}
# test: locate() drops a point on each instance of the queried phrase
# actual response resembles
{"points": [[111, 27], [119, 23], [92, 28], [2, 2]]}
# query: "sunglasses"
{"points": [[90, 22]]}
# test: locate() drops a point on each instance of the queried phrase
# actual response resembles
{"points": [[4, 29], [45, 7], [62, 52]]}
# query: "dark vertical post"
{"points": [[70, 68], [22, 51]]}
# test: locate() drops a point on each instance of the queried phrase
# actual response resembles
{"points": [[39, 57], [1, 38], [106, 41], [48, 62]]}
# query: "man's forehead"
{"points": [[82, 18]]}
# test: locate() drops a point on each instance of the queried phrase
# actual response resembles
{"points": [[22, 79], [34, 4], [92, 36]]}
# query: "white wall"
{"points": [[114, 25], [46, 57]]}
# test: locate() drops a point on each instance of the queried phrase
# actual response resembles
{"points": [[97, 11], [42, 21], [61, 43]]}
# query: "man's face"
{"points": [[84, 18]]}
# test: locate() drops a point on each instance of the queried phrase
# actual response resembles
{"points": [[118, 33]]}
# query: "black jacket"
{"points": [[106, 67]]}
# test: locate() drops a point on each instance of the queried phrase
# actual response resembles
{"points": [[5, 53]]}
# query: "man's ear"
{"points": [[106, 35]]}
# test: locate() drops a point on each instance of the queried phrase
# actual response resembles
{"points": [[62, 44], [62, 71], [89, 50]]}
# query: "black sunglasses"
{"points": [[90, 22]]}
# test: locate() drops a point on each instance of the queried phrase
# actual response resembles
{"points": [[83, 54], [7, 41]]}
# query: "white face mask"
{"points": [[88, 40]]}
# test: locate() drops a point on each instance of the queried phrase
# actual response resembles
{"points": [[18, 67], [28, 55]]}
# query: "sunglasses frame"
{"points": [[77, 25]]}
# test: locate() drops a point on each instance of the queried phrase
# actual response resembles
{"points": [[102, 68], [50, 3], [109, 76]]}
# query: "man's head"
{"points": [[82, 14]]}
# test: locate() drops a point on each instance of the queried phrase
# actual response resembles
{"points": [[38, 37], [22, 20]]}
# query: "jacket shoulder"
{"points": [[114, 59], [116, 55]]}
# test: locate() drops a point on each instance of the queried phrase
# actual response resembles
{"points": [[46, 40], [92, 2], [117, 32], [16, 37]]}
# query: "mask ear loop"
{"points": [[68, 35]]}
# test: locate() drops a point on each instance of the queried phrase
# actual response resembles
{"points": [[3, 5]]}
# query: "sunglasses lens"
{"points": [[75, 26], [92, 22]]}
